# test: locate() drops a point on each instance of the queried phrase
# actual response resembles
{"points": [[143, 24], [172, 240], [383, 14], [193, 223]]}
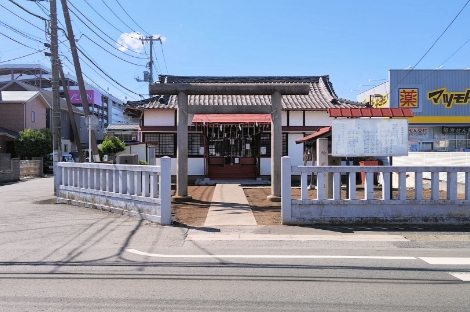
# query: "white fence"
{"points": [[371, 208], [141, 191]]}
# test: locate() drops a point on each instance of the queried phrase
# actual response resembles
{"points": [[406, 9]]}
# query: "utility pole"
{"points": [[150, 39], [57, 141], [71, 115], [78, 71]]}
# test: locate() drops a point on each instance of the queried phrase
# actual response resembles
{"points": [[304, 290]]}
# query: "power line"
{"points": [[103, 33], [21, 33], [22, 18], [104, 19], [431, 46], [164, 59], [111, 52], [20, 42], [99, 68], [38, 16], [130, 17], [19, 57], [116, 15]]}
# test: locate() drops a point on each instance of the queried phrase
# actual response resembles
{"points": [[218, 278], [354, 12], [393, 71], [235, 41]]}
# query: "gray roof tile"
{"points": [[321, 96]]}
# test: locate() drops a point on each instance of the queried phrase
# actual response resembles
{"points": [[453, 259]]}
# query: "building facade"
{"points": [[236, 145], [439, 100]]}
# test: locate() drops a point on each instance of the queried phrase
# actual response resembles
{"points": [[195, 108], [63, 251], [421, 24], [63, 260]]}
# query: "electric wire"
{"points": [[122, 32], [131, 18], [116, 15], [38, 16], [164, 59], [20, 42], [431, 45], [103, 32], [84, 35], [21, 17], [21, 33], [20, 57], [101, 70]]}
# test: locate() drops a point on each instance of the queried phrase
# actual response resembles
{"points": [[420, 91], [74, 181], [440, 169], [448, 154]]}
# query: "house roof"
{"points": [[46, 94], [322, 132], [320, 98], [121, 127], [370, 112], [10, 133], [19, 96]]}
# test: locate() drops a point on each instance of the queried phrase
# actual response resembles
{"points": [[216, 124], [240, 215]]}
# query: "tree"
{"points": [[112, 145], [34, 143]]}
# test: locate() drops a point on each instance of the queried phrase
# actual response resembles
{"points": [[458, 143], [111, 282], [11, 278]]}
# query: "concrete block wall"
{"points": [[30, 168], [13, 173]]}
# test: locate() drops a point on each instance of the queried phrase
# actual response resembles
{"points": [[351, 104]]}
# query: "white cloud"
{"points": [[130, 41]]}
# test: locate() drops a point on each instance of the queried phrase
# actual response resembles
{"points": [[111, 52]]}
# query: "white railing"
{"points": [[135, 190], [385, 208]]}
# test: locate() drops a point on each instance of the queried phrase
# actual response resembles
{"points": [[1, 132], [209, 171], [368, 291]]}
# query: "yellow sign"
{"points": [[440, 96], [408, 98]]}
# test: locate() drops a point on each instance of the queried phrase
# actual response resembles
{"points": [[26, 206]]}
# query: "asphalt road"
{"points": [[55, 257]]}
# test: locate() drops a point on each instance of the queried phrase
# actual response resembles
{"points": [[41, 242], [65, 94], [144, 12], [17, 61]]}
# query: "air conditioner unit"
{"points": [[134, 138]]}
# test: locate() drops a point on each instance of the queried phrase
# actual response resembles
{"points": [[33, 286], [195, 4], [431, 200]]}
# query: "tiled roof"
{"points": [[321, 96], [370, 112], [326, 131], [114, 127]]}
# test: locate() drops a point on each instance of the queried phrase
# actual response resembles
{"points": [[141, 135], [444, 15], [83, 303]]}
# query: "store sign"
{"points": [[418, 132], [408, 98], [93, 97], [456, 130], [440, 96]]}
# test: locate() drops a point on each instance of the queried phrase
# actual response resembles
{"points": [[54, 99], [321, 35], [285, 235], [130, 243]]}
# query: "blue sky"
{"points": [[351, 41]]}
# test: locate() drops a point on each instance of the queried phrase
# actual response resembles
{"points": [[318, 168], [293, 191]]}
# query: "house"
{"points": [[236, 145], [20, 110], [66, 132]]}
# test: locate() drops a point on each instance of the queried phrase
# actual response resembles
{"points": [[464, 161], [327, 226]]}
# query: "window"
{"points": [[165, 143], [33, 117], [265, 144], [195, 142]]}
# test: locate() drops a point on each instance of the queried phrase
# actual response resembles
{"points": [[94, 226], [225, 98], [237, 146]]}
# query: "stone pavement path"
{"points": [[229, 207]]}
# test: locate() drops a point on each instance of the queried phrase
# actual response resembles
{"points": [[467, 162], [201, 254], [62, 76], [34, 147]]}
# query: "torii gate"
{"points": [[276, 90]]}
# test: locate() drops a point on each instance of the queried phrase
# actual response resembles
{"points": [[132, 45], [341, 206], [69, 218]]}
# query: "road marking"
{"points": [[461, 276], [319, 237], [143, 253], [446, 260]]}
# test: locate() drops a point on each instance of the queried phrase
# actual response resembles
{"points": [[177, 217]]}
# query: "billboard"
{"points": [[369, 137], [93, 97]]}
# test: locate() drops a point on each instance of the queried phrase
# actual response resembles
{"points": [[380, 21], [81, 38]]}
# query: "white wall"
{"points": [[296, 118], [195, 166], [265, 166], [140, 150], [295, 151], [159, 118], [317, 119]]}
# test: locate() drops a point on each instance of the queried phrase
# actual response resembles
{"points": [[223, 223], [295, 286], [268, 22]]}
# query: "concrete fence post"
{"points": [[165, 190], [57, 179], [286, 203]]}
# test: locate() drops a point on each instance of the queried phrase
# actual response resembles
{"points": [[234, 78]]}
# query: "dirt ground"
{"points": [[194, 213]]}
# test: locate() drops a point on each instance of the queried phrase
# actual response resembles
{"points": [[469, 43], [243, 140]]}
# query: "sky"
{"points": [[356, 42]]}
